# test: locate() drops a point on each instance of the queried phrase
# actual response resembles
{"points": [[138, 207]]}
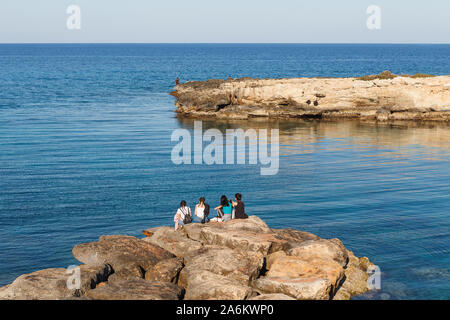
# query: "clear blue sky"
{"points": [[298, 21]]}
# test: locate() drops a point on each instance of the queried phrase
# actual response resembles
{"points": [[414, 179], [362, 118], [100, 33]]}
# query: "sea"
{"points": [[85, 151]]}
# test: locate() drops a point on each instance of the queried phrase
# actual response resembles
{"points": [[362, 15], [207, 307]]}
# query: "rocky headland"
{"points": [[381, 97], [237, 260]]}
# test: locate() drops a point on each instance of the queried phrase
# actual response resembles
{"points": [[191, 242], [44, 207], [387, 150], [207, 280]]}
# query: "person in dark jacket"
{"points": [[239, 207]]}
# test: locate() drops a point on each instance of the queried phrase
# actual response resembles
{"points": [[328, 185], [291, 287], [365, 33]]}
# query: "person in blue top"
{"points": [[224, 210]]}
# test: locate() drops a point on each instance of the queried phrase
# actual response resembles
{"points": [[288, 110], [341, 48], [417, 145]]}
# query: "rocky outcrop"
{"points": [[51, 284], [236, 260], [242, 266], [165, 270], [376, 98], [206, 285], [298, 288], [137, 289], [172, 241], [129, 257]]}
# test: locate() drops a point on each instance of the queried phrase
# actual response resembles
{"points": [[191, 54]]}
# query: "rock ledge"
{"points": [[381, 99]]}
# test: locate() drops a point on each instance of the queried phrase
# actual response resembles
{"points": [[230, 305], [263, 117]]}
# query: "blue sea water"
{"points": [[85, 151]]}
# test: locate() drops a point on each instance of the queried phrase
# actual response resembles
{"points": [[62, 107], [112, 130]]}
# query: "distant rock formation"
{"points": [[381, 97], [236, 260]]}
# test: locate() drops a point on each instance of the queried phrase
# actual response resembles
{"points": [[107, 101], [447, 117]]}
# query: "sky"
{"points": [[226, 21]]}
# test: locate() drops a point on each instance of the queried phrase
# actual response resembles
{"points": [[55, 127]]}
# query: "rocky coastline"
{"points": [[236, 260], [384, 97]]}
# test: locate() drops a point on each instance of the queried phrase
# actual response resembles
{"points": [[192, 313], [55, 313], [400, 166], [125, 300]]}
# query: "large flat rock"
{"points": [[206, 285], [173, 241], [234, 239], [295, 267], [321, 249], [300, 289], [51, 284], [165, 270], [138, 289], [126, 255], [389, 97], [242, 266], [252, 224]]}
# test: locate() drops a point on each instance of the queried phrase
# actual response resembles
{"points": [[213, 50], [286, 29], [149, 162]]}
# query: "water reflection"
{"points": [[299, 136]]}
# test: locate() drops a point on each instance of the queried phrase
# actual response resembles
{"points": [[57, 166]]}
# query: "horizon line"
{"points": [[230, 43]]}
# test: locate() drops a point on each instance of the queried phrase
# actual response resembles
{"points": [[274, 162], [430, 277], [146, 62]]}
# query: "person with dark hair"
{"points": [[239, 207], [224, 210], [201, 211], [183, 215]]}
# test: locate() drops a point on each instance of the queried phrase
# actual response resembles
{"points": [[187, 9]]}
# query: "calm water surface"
{"points": [[85, 151]]}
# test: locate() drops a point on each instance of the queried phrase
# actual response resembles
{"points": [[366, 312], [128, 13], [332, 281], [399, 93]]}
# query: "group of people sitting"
{"points": [[226, 211]]}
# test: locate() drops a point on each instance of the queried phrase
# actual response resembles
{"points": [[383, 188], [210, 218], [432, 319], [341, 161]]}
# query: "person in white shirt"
{"points": [[183, 214], [199, 212]]}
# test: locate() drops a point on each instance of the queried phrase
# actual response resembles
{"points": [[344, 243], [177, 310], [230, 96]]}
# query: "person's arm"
{"points": [[195, 210], [217, 208]]}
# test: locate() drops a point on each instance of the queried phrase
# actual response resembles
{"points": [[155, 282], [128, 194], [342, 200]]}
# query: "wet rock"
{"points": [[126, 255], [138, 289]]}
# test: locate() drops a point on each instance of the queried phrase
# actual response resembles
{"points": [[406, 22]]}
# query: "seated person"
{"points": [[224, 210], [183, 215], [239, 207], [201, 211]]}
